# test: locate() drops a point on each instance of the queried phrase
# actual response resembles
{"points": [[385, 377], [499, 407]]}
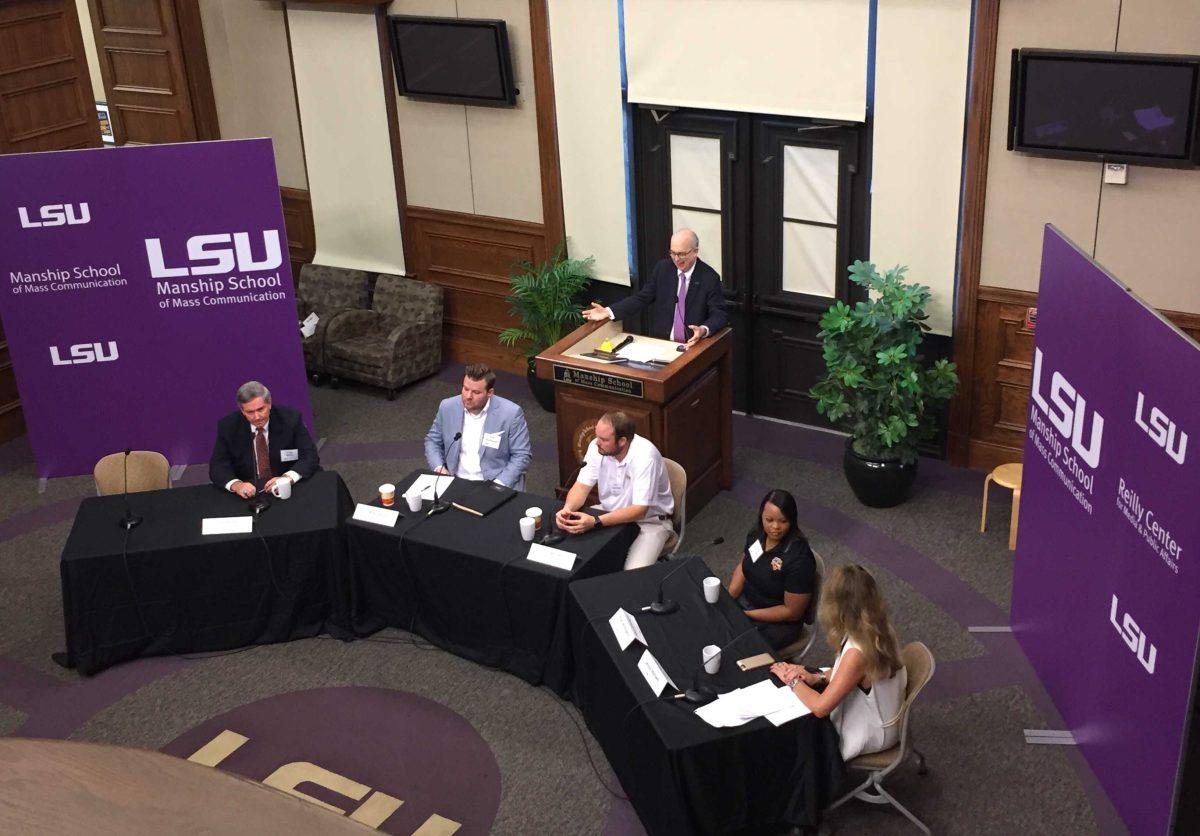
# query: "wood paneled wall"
{"points": [[12, 420], [471, 257], [298, 220], [1003, 353]]}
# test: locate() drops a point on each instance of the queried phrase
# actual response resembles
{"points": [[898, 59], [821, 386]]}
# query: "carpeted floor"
{"points": [[482, 748]]}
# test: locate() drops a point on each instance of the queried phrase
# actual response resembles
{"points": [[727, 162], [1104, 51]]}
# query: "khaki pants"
{"points": [[652, 536]]}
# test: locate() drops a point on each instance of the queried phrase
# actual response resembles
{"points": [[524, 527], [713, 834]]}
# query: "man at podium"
{"points": [[632, 482], [684, 295]]}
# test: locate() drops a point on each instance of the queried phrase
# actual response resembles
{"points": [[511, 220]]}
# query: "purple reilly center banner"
{"points": [[141, 287], [1106, 579]]}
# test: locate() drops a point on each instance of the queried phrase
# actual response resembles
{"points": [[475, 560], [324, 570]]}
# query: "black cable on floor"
{"points": [[583, 742]]}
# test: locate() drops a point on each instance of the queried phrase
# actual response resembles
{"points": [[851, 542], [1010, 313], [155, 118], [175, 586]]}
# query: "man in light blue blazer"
{"points": [[494, 444]]}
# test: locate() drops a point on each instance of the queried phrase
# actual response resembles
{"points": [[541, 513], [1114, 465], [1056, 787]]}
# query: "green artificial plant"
{"points": [[877, 386], [544, 298]]}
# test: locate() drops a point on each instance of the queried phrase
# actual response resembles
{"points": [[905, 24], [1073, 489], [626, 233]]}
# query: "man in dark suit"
{"points": [[259, 444], [684, 295]]}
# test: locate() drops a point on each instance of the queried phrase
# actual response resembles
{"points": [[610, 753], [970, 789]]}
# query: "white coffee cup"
{"points": [[712, 589], [414, 500], [535, 514], [528, 528], [387, 494], [282, 488], [711, 657]]}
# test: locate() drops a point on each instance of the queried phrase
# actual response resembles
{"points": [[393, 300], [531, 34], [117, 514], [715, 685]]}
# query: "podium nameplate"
{"points": [[598, 380]]}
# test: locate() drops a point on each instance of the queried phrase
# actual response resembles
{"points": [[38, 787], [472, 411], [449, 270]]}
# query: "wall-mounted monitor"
{"points": [[1106, 106], [448, 59]]}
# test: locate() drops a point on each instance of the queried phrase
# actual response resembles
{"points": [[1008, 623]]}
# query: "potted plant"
{"points": [[544, 298], [877, 385]]}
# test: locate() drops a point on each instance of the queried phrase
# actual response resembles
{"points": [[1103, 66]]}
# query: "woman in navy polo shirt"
{"points": [[774, 583]]}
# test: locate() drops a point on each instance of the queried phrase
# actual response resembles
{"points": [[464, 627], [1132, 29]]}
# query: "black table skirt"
{"points": [[462, 582], [682, 775], [167, 589]]}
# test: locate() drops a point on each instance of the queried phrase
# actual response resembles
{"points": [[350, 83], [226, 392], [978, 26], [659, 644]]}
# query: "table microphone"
{"points": [[668, 606], [440, 505], [130, 521], [556, 535], [701, 694]]}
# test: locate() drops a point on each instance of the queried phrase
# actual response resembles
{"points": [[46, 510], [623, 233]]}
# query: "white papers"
{"points": [[656, 677], [227, 525], [557, 558], [626, 629], [789, 710], [640, 352], [380, 516], [427, 483], [755, 551], [309, 326], [763, 699]]}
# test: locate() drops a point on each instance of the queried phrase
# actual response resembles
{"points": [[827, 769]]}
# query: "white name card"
{"points": [[755, 551], [372, 514], [227, 525], [557, 558], [656, 677], [626, 629]]}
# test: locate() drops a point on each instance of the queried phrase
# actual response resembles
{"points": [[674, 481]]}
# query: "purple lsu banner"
{"points": [[141, 287], [1106, 599]]}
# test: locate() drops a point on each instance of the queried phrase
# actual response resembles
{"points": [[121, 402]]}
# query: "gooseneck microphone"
{"points": [[554, 534], [130, 521], [440, 505], [665, 607]]}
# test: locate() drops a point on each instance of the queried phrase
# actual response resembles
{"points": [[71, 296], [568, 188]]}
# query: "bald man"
{"points": [[684, 295]]}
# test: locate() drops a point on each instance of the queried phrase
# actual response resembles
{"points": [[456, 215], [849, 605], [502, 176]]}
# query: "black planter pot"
{"points": [[878, 483], [543, 390]]}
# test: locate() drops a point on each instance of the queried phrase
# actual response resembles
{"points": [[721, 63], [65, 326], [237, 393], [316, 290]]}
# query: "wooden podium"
{"points": [[684, 407]]}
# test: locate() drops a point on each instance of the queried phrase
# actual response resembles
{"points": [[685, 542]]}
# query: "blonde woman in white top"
{"points": [[864, 690]]}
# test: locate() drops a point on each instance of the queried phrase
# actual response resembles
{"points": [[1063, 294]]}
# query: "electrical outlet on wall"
{"points": [[1115, 173]]}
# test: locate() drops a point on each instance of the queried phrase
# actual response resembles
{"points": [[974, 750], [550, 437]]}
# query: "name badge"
{"points": [[289, 455], [492, 440], [755, 551]]}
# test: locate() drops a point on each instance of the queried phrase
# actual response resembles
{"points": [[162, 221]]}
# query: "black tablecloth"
{"points": [[168, 589], [682, 775], [462, 582]]}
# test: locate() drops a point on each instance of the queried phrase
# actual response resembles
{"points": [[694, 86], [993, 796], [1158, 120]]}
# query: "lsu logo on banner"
{"points": [[56, 214], [1069, 413], [85, 353], [1133, 637], [210, 254], [1161, 430]]}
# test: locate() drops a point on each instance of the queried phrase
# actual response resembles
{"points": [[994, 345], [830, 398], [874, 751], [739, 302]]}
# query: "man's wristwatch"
{"points": [[596, 517]]}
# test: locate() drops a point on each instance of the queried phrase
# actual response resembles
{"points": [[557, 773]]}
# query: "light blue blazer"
{"points": [[505, 464]]}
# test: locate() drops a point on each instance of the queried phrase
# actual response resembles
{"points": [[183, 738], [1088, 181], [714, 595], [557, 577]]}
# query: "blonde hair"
{"points": [[852, 607]]}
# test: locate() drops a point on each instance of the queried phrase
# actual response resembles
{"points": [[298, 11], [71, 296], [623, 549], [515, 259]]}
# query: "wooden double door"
{"points": [[779, 206]]}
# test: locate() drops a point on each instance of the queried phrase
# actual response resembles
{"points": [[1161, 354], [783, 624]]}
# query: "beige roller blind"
{"points": [[786, 57], [587, 99], [343, 116]]}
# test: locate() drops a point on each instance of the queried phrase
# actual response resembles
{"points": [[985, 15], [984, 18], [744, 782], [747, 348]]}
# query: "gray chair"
{"points": [[919, 664], [397, 341], [327, 291], [796, 651]]}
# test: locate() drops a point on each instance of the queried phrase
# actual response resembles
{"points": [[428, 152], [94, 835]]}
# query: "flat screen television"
{"points": [[448, 59], [1106, 106]]}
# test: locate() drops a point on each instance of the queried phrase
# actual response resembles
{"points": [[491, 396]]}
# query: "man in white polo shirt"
{"points": [[632, 482]]}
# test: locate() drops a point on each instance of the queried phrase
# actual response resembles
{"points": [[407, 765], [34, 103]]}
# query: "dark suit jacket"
{"points": [[233, 454], [705, 303]]}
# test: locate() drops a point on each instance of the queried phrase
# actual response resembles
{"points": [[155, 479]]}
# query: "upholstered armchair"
{"points": [[396, 342], [327, 291]]}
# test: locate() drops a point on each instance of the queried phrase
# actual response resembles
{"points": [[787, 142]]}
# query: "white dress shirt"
{"points": [[469, 454], [639, 479], [266, 431]]}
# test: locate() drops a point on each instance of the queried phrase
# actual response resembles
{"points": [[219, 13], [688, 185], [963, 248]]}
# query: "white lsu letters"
{"points": [[214, 259]]}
